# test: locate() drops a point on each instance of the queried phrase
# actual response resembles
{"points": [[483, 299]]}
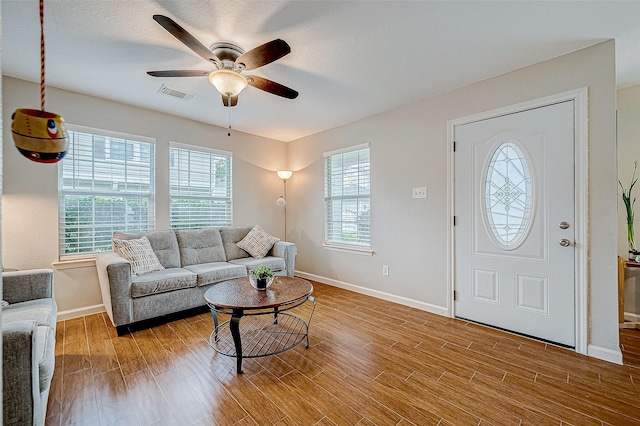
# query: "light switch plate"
{"points": [[420, 192]]}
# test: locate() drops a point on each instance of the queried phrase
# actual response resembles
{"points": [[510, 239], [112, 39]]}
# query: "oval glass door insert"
{"points": [[508, 195]]}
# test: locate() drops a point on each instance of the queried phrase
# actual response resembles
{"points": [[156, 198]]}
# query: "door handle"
{"points": [[565, 243]]}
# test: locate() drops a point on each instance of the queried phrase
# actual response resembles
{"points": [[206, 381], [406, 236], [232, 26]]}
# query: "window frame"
{"points": [[174, 162], [94, 193], [342, 245]]}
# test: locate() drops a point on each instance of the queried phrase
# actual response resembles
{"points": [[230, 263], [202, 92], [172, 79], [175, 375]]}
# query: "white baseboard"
{"points": [[592, 350], [80, 312], [605, 354], [434, 309], [628, 316]]}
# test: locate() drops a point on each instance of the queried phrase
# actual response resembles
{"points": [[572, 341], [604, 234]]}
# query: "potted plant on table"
{"points": [[261, 277], [628, 204]]}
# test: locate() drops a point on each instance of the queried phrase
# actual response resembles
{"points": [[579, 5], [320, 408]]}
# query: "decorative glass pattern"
{"points": [[508, 194]]}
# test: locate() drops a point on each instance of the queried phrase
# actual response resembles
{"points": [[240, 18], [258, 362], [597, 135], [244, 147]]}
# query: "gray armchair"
{"points": [[28, 345]]}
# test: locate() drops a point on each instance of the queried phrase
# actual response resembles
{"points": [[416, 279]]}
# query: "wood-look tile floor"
{"points": [[370, 362]]}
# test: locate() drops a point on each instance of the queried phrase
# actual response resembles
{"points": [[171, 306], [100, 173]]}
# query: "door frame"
{"points": [[580, 101]]}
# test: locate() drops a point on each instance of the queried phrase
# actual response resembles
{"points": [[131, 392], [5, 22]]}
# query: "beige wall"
{"points": [[30, 203], [1, 167], [408, 149], [628, 152]]}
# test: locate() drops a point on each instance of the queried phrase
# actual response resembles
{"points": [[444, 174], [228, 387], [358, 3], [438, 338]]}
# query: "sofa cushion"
{"points": [[275, 263], [139, 253], [43, 311], [200, 246], [162, 281], [257, 242], [45, 344], [164, 244], [209, 273], [230, 237]]}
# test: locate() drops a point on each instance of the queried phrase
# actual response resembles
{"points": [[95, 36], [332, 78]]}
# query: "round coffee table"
{"points": [[267, 329]]}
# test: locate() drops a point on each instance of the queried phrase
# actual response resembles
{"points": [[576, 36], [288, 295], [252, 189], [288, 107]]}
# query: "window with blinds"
{"points": [[347, 197], [105, 184], [200, 181]]}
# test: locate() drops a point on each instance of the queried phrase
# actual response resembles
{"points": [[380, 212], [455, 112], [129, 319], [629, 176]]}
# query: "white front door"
{"points": [[514, 222]]}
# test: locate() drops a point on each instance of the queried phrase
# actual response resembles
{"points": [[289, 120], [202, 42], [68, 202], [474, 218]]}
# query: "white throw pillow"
{"points": [[139, 253], [257, 242]]}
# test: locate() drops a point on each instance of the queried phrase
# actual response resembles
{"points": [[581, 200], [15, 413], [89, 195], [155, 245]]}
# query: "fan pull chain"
{"points": [[229, 112], [42, 97]]}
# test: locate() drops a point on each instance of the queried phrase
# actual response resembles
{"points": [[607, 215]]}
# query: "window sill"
{"points": [[354, 250], [73, 264]]}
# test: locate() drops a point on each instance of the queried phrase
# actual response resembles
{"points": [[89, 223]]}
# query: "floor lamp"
{"points": [[282, 201]]}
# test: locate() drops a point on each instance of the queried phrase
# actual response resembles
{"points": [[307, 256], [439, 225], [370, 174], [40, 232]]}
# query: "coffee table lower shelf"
{"points": [[264, 333]]}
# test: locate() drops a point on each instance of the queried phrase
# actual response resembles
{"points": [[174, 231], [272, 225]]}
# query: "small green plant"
{"points": [[263, 271]]}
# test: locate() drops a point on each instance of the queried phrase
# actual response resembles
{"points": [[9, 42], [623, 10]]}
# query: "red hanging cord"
{"points": [[42, 55]]}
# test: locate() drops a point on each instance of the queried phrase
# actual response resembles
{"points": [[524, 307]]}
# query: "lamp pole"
{"points": [[282, 201], [284, 182]]}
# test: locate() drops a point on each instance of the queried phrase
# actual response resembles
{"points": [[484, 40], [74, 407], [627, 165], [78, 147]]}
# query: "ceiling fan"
{"points": [[230, 61]]}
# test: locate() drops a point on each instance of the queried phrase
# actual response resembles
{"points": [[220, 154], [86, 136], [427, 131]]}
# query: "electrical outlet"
{"points": [[385, 270], [420, 192]]}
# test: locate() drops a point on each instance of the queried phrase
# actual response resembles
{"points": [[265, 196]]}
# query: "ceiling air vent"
{"points": [[175, 92]]}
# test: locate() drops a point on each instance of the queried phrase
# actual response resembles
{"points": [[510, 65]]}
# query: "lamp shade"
{"points": [[281, 202], [228, 82], [284, 174]]}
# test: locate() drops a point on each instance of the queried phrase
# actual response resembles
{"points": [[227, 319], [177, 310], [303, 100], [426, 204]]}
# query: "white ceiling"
{"points": [[349, 59]]}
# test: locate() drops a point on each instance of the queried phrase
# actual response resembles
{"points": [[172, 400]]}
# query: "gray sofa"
{"points": [[194, 260], [28, 345]]}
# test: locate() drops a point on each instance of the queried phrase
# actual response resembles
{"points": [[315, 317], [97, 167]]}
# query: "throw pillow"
{"points": [[139, 253], [257, 242]]}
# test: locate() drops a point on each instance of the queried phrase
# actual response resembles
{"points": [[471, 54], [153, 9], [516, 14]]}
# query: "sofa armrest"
{"points": [[26, 285], [114, 275], [21, 403], [287, 251]]}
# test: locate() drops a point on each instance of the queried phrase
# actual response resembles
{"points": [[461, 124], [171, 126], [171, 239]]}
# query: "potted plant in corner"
{"points": [[261, 277]]}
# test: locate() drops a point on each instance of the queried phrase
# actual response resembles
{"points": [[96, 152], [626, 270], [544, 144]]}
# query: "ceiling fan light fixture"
{"points": [[228, 83], [230, 60]]}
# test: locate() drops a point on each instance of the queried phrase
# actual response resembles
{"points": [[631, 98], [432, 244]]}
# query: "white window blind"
{"points": [[347, 197], [105, 184], [201, 183]]}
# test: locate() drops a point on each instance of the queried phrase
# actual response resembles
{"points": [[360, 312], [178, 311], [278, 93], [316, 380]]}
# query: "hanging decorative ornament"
{"points": [[39, 135]]}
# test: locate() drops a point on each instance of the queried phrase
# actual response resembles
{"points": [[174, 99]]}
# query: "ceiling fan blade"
{"points": [[263, 55], [271, 87], [183, 35], [179, 73], [234, 101]]}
